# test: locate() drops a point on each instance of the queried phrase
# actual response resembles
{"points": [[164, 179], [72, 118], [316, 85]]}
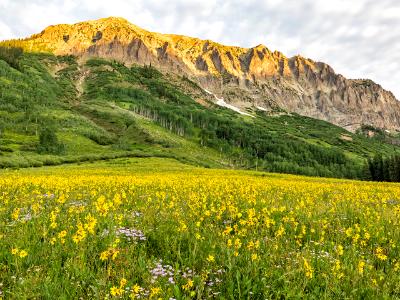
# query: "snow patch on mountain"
{"points": [[221, 102]]}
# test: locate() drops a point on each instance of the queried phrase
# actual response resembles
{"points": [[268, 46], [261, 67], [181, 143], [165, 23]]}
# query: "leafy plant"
{"points": [[48, 141]]}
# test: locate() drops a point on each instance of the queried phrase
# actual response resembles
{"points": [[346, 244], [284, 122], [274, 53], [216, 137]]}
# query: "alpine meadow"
{"points": [[141, 165]]}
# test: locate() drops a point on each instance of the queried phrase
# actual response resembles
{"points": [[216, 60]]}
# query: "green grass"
{"points": [[117, 111], [243, 235]]}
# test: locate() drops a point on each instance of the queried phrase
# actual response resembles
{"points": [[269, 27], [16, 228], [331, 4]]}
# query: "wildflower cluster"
{"points": [[114, 233]]}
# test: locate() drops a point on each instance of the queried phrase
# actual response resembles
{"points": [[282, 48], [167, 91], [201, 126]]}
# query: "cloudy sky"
{"points": [[358, 38]]}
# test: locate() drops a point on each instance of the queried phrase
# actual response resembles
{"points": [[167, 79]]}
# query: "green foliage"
{"points": [[48, 141], [104, 108], [11, 56], [383, 169], [309, 146], [97, 62], [149, 72]]}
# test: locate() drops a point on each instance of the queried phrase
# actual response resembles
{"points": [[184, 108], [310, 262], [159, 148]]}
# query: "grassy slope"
{"points": [[95, 107], [90, 132]]}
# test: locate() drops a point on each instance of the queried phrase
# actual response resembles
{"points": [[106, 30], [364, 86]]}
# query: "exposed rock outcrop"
{"points": [[254, 77]]}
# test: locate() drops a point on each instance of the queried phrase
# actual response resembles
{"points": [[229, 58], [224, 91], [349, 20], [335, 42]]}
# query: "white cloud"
{"points": [[339, 6], [5, 31], [359, 38]]}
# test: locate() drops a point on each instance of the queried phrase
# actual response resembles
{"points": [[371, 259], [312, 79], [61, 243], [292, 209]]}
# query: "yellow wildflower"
{"points": [[380, 254], [23, 253], [154, 291], [15, 214], [188, 285], [308, 269], [210, 258], [116, 291], [104, 255], [115, 254], [361, 265], [122, 282], [340, 250]]}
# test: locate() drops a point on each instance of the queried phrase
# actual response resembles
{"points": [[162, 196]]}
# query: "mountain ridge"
{"points": [[62, 109], [245, 77]]}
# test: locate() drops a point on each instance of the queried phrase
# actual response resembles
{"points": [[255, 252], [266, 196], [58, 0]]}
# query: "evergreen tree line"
{"points": [[11, 56], [249, 144], [27, 89], [383, 169]]}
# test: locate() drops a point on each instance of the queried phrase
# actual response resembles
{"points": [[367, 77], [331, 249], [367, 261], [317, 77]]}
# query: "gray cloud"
{"points": [[358, 38]]}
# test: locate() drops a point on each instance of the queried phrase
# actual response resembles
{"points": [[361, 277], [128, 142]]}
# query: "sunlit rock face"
{"points": [[254, 77]]}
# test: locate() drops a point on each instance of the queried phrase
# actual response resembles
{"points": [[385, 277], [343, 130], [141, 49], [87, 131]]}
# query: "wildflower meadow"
{"points": [[107, 233]]}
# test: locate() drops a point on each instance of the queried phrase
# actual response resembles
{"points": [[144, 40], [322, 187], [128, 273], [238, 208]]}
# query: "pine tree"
{"points": [[366, 171], [385, 170], [48, 141]]}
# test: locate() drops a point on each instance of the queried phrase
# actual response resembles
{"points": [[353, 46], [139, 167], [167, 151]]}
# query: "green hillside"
{"points": [[56, 110]]}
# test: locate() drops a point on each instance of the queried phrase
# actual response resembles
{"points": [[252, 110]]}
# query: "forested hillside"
{"points": [[58, 109]]}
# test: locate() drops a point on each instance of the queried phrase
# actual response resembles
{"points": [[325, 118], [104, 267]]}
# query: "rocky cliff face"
{"points": [[247, 78]]}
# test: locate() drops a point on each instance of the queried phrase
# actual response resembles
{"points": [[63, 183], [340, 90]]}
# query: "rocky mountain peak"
{"points": [[248, 77]]}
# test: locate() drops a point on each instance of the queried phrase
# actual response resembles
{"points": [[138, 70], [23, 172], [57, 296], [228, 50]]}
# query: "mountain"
{"points": [[247, 79], [83, 92]]}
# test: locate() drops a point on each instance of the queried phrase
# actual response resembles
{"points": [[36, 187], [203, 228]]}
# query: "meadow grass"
{"points": [[152, 228]]}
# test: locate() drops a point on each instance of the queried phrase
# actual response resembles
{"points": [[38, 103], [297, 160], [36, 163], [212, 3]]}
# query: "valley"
{"points": [[141, 165], [101, 109]]}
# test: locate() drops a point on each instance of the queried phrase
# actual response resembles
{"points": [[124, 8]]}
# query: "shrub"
{"points": [[48, 141], [11, 56]]}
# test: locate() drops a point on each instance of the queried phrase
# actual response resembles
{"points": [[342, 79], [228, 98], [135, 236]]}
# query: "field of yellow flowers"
{"points": [[107, 232]]}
